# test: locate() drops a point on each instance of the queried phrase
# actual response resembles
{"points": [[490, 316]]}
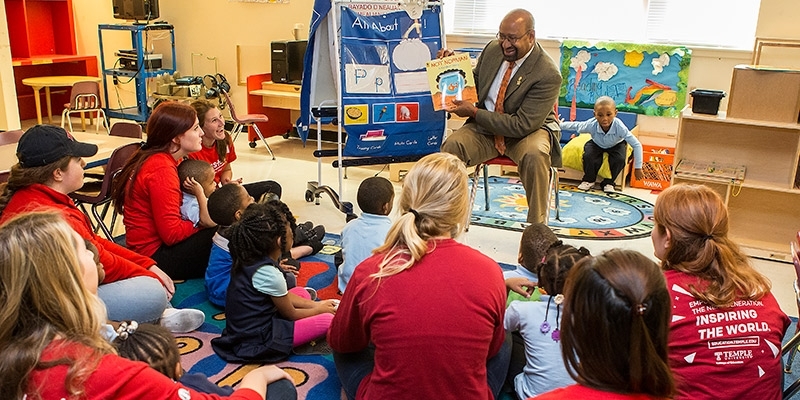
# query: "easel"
{"points": [[325, 106]]}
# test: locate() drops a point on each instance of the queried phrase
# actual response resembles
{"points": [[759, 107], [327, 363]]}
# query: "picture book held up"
{"points": [[450, 78]]}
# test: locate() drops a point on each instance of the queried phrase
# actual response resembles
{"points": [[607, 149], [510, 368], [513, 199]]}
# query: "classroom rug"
{"points": [[314, 374], [593, 214]]}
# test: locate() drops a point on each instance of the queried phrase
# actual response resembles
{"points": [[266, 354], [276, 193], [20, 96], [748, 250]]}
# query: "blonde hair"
{"points": [[697, 221], [434, 202], [44, 297]]}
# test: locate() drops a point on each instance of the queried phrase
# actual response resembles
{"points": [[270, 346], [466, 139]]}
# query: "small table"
{"points": [[46, 82], [105, 146]]}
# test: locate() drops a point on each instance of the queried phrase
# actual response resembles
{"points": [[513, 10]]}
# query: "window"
{"points": [[718, 23]]}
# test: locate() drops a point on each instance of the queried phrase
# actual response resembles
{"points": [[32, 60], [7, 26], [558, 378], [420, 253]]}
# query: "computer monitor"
{"points": [[140, 10]]}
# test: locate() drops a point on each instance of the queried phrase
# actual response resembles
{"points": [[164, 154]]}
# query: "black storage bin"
{"points": [[706, 101]]}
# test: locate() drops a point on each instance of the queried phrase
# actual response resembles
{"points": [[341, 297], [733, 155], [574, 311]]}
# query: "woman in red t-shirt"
{"points": [[218, 150], [726, 330], [148, 193], [50, 323]]}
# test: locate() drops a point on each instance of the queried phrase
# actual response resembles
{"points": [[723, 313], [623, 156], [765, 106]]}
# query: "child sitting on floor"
{"points": [[225, 206], [538, 324], [609, 135], [362, 235], [197, 183], [265, 319], [521, 281], [155, 346]]}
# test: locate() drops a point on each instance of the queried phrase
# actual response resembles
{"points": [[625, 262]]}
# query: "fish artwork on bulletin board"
{"points": [[642, 78]]}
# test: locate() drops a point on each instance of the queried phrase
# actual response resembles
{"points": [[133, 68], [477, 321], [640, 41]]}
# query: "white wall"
{"points": [[212, 28], [215, 27]]}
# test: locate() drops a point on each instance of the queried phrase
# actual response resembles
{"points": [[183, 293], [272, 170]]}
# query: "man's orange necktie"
{"points": [[499, 141]]}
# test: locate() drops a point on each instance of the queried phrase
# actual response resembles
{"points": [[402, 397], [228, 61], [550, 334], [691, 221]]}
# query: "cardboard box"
{"points": [[765, 94]]}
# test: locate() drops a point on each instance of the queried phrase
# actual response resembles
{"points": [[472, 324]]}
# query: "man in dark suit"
{"points": [[525, 126]]}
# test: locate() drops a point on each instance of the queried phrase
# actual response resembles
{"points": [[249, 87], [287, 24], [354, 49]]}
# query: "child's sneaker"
{"points": [[585, 186], [609, 189], [182, 320]]}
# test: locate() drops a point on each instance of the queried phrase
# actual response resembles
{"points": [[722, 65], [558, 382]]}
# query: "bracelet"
{"points": [[125, 329]]}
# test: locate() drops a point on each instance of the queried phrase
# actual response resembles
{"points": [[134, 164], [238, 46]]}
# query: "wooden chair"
{"points": [[248, 120], [126, 129], [790, 348], [505, 161], [9, 137], [101, 196], [84, 97]]}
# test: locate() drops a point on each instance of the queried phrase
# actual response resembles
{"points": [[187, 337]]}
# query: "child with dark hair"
{"points": [[225, 206], [155, 346], [362, 235], [615, 329], [197, 183], [536, 239], [266, 319], [539, 322]]}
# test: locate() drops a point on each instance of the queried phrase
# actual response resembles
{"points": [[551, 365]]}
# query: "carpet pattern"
{"points": [[588, 215], [314, 375]]}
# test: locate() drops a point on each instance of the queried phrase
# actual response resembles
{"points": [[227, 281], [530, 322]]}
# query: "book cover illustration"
{"points": [[450, 78]]}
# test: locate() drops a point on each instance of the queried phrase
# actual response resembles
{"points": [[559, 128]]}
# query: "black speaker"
{"points": [[287, 60]]}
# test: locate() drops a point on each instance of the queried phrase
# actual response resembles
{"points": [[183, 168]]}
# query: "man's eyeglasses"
{"points": [[511, 39]]}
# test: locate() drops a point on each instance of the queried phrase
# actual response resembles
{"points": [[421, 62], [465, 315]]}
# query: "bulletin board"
{"points": [[642, 78]]}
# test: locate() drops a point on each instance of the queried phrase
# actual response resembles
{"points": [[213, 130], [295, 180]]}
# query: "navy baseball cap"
{"points": [[46, 144]]}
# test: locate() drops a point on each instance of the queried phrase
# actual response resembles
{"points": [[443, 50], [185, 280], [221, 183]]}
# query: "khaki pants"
{"points": [[531, 154]]}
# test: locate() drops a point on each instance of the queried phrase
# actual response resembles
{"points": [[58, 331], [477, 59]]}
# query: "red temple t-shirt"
{"points": [[731, 353], [209, 154]]}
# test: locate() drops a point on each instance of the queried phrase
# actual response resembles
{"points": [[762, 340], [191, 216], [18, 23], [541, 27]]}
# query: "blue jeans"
{"points": [[142, 299], [353, 367]]}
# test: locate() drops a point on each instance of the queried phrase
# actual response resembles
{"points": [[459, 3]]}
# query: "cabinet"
{"points": [[763, 209], [140, 40], [42, 38]]}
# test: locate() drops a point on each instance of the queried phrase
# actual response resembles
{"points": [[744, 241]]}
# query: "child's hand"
{"points": [[521, 285], [573, 136], [194, 187], [328, 306], [273, 374], [638, 174], [287, 267]]}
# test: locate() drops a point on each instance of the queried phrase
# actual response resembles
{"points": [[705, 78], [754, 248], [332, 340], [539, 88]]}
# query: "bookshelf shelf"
{"points": [[762, 207]]}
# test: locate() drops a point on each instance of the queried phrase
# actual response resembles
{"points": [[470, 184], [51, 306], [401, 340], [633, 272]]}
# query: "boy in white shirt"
{"points": [[197, 178]]}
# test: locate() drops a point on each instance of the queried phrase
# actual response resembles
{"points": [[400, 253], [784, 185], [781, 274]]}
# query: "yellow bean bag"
{"points": [[572, 155]]}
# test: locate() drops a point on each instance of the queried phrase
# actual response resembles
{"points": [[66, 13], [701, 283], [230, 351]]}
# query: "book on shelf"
{"points": [[710, 171], [450, 78]]}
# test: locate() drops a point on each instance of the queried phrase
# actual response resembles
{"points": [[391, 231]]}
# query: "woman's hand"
{"points": [[523, 286], [169, 286]]}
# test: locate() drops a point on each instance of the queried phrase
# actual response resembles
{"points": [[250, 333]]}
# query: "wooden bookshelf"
{"points": [[763, 207]]}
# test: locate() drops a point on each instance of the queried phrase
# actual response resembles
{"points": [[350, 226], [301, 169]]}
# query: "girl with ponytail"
{"points": [[726, 327], [614, 329], [423, 317]]}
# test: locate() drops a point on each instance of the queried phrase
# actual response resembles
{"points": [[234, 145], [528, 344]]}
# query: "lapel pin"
{"points": [[519, 81]]}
